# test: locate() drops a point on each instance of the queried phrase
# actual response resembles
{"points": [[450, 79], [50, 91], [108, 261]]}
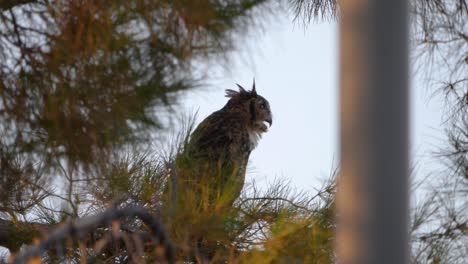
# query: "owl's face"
{"points": [[261, 113], [255, 105]]}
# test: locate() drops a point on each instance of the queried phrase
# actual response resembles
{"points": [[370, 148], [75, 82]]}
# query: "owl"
{"points": [[211, 168], [221, 144]]}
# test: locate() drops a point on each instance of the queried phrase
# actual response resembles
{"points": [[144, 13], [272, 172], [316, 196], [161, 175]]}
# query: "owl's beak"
{"points": [[269, 120], [263, 127]]}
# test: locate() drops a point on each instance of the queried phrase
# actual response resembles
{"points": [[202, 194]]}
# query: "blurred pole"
{"points": [[372, 197]]}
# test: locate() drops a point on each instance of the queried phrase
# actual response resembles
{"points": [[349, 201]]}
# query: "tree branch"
{"points": [[80, 227]]}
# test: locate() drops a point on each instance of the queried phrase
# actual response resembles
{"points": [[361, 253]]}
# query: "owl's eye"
{"points": [[262, 106]]}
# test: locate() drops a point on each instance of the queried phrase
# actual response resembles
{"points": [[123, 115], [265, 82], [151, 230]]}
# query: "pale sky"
{"points": [[296, 69]]}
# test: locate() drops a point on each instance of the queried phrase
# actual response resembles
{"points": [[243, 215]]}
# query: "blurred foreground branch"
{"points": [[81, 227]]}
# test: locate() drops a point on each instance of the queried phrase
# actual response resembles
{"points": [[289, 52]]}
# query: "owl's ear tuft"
{"points": [[242, 94], [254, 91], [231, 93], [241, 89]]}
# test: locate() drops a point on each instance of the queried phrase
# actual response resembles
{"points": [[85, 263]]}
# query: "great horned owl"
{"points": [[220, 146], [210, 171]]}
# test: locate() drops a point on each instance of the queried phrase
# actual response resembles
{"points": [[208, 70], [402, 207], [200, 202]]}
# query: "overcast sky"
{"points": [[297, 71]]}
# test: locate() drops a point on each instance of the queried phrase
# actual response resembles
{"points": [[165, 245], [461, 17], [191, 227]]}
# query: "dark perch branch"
{"points": [[80, 227]]}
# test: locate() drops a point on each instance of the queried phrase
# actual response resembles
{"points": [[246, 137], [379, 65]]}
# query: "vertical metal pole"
{"points": [[372, 196]]}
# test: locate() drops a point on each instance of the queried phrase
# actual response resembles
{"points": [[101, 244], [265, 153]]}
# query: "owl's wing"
{"points": [[221, 136]]}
